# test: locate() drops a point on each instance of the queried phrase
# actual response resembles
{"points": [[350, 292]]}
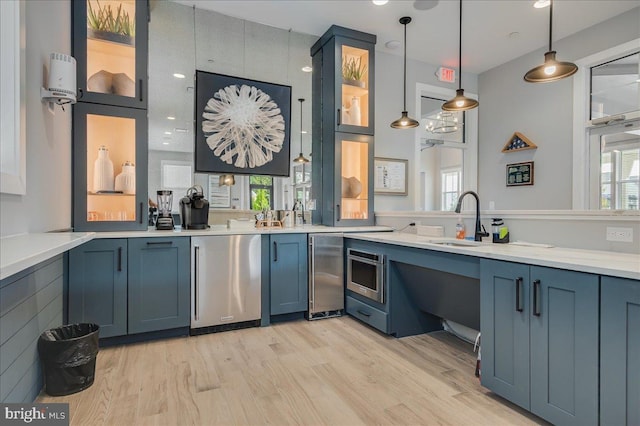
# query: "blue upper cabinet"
{"points": [[620, 352], [159, 284], [111, 59], [540, 339], [288, 273], [343, 122], [98, 285]]}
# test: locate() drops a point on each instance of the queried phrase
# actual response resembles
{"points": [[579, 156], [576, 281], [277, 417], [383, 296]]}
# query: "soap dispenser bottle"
{"points": [[460, 229]]}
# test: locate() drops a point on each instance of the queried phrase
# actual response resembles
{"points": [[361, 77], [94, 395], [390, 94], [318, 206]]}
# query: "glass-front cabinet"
{"points": [[110, 168], [354, 83], [110, 47], [343, 127]]}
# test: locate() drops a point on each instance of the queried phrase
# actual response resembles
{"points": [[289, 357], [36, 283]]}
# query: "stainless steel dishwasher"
{"points": [[225, 282]]}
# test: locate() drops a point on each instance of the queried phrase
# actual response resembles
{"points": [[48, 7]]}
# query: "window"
{"points": [[261, 190], [451, 184], [607, 129]]}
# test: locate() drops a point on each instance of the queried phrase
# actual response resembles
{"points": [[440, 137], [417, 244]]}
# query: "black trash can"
{"points": [[68, 355]]}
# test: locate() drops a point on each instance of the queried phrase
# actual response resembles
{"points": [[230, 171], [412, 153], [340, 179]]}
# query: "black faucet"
{"points": [[480, 231]]}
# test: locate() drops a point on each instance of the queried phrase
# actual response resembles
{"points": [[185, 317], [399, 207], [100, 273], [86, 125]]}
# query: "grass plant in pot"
{"points": [[353, 71], [106, 24]]}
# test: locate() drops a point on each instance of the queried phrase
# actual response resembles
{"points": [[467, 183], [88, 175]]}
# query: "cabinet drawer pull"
{"points": [[159, 243], [364, 313], [519, 306], [536, 298], [275, 251], [119, 259]]}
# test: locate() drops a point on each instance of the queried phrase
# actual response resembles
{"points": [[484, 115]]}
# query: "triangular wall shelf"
{"points": [[518, 142]]}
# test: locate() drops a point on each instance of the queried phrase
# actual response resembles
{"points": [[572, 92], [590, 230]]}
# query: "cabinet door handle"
{"points": [[159, 243], [275, 251], [337, 212], [196, 272], [364, 313], [536, 298], [312, 270], [141, 212], [119, 259], [339, 117], [140, 83], [519, 307]]}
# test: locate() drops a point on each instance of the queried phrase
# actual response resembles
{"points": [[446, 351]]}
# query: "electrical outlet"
{"points": [[623, 235]]}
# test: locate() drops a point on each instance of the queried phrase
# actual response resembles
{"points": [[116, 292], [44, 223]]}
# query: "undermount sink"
{"points": [[453, 242]]}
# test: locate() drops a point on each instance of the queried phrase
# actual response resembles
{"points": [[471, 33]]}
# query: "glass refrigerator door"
{"points": [[355, 180]]}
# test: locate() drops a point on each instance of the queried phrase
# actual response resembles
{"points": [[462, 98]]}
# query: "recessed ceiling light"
{"points": [[167, 133], [380, 2], [180, 130], [304, 132], [392, 44], [424, 4], [178, 75], [539, 4], [307, 69], [165, 143], [171, 117]]}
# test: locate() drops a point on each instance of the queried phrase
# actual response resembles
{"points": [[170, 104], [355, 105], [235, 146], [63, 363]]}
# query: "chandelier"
{"points": [[443, 122]]}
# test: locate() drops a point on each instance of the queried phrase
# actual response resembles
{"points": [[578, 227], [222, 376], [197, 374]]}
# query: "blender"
{"points": [[165, 202]]}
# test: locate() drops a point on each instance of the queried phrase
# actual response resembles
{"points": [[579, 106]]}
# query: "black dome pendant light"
{"points": [[551, 70], [405, 122], [460, 102], [300, 158]]}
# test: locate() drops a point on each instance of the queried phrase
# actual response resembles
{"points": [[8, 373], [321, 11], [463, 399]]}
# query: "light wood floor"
{"points": [[326, 372]]}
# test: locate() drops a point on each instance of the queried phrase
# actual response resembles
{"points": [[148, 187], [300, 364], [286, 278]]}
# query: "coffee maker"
{"points": [[194, 209], [165, 202]]}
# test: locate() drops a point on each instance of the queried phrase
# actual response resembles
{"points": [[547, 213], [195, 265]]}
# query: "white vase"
{"points": [[126, 180], [354, 111], [103, 171]]}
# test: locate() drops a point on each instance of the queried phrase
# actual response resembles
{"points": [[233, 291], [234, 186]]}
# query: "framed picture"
{"points": [[519, 174], [242, 126], [219, 196], [390, 176]]}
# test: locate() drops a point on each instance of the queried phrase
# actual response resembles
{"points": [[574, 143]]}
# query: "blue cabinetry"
{"points": [[98, 285], [130, 286], [540, 339], [288, 273], [159, 284], [620, 351]]}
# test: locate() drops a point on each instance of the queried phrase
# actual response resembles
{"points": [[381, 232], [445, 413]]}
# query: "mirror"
{"points": [[447, 150], [183, 39]]}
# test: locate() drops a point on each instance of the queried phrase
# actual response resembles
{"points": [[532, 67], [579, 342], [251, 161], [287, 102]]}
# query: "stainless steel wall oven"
{"points": [[365, 274]]}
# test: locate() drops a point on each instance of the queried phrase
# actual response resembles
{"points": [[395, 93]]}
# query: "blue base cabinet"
{"points": [[159, 284], [540, 336], [130, 286], [288, 276], [620, 352], [98, 285]]}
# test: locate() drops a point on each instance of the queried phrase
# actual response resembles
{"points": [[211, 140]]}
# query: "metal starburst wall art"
{"points": [[243, 126]]}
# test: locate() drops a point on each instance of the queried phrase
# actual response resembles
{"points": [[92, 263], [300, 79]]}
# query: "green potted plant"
{"points": [[353, 71], [106, 24]]}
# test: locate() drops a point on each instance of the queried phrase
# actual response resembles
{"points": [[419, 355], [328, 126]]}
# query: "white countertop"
{"points": [[615, 264], [19, 252], [223, 230]]}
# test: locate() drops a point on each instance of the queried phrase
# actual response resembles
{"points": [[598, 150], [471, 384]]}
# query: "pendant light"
{"points": [[228, 180], [300, 158], [405, 122], [551, 70], [460, 102]]}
